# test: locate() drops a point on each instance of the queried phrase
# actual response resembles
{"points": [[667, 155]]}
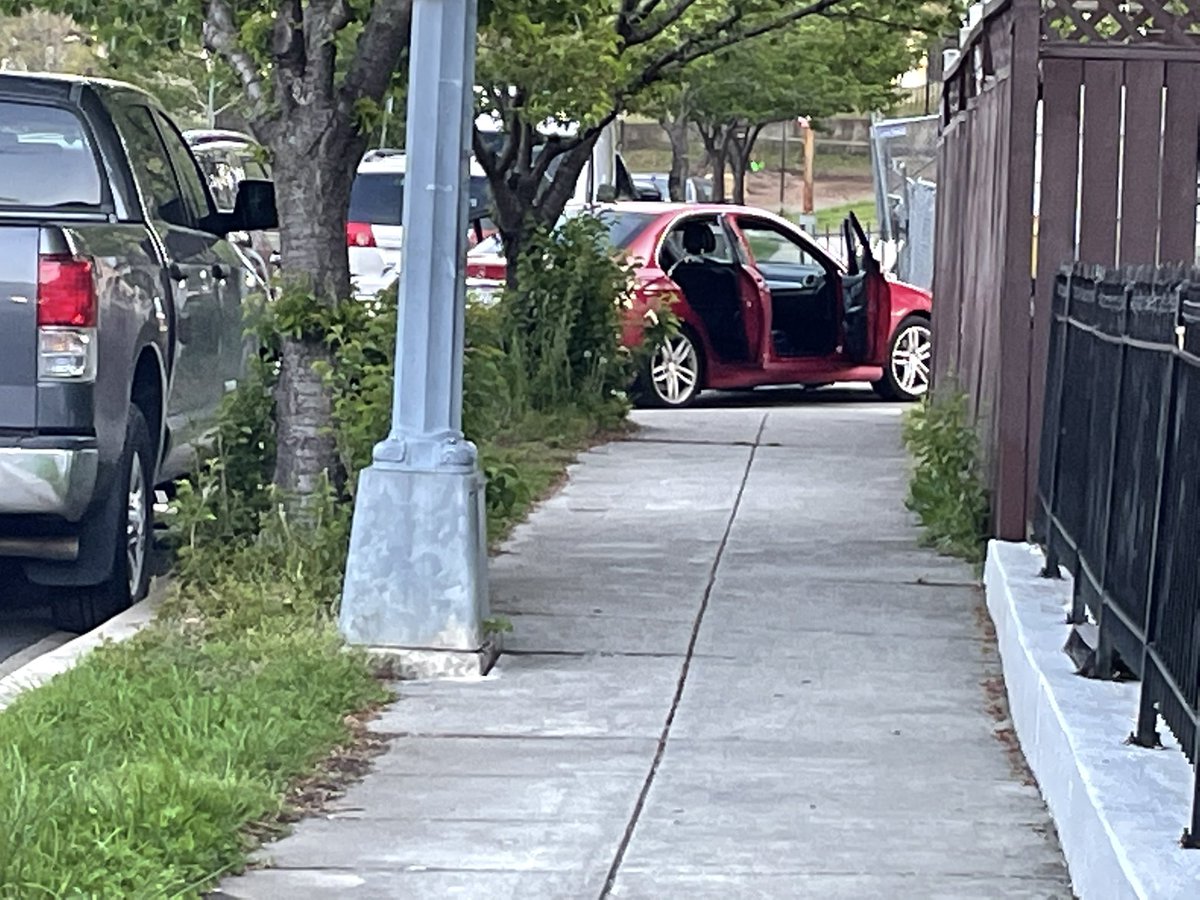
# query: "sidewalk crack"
{"points": [[661, 750]]}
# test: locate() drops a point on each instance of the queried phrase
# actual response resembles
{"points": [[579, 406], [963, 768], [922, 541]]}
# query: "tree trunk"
{"points": [[312, 178], [522, 198], [740, 154], [677, 132], [719, 158], [738, 163]]}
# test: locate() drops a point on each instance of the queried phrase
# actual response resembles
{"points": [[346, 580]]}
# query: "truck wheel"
{"points": [[82, 609]]}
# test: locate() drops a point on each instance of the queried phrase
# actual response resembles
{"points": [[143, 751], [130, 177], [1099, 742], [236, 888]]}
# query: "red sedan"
{"points": [[760, 303]]}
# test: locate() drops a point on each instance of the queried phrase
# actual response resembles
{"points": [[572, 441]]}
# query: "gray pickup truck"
{"points": [[120, 329]]}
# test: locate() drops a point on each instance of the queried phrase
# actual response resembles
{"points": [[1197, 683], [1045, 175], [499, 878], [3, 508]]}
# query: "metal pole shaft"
{"points": [[416, 573], [427, 404]]}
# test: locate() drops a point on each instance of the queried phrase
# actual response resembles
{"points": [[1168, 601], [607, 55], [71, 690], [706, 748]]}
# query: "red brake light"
{"points": [[359, 234], [66, 292]]}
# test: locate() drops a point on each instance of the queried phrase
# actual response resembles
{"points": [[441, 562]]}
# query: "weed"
{"points": [[946, 490], [150, 769]]}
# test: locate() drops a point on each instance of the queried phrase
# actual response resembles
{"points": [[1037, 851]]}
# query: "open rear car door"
{"points": [[866, 300]]}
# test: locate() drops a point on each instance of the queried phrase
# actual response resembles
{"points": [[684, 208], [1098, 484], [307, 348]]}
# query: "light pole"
{"points": [[416, 577]]}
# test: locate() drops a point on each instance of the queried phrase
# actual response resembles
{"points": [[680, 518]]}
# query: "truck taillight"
{"points": [[359, 234], [66, 292], [66, 317]]}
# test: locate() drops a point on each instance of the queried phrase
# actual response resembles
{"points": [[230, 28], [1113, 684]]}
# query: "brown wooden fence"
{"points": [[1069, 133]]}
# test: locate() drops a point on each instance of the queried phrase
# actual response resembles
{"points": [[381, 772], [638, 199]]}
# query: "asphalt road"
{"points": [[24, 620]]}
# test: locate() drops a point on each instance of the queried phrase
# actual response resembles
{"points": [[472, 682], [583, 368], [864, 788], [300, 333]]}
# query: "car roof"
{"points": [[64, 82], [395, 164]]}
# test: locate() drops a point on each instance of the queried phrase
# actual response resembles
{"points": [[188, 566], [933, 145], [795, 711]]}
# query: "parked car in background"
{"points": [[656, 186], [374, 230], [228, 158], [760, 303], [121, 329]]}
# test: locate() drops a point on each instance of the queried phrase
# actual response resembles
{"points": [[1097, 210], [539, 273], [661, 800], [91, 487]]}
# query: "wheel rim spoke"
{"points": [[910, 360], [135, 524], [675, 370]]}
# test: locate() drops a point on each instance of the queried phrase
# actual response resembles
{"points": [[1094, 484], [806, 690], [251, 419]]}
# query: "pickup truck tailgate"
{"points": [[18, 326]]}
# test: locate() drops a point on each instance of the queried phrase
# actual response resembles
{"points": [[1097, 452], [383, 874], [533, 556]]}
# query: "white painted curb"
{"points": [[66, 656], [1119, 809]]}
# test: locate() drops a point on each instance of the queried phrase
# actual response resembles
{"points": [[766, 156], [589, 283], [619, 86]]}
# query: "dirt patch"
{"points": [[995, 696], [762, 189]]}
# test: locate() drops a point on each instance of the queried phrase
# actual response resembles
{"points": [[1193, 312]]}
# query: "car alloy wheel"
{"points": [[912, 351], [136, 522], [675, 370]]}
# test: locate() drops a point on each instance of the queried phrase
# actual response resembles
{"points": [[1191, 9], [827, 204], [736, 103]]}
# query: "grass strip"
{"points": [[155, 766], [139, 772]]}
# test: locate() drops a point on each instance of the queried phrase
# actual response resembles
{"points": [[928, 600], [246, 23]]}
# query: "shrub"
{"points": [[563, 324], [946, 489]]}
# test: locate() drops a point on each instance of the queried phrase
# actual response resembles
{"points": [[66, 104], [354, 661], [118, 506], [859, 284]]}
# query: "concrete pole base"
{"points": [[416, 577], [422, 664]]}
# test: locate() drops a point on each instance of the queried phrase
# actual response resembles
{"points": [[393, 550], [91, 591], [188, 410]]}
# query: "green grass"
{"points": [[140, 772], [831, 217], [155, 766]]}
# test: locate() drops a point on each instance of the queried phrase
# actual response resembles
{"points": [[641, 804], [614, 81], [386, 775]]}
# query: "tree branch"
{"points": [[908, 27], [672, 15], [221, 36], [717, 37], [323, 19], [383, 39]]}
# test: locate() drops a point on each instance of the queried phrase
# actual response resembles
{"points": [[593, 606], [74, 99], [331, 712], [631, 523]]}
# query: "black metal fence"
{"points": [[1119, 482]]}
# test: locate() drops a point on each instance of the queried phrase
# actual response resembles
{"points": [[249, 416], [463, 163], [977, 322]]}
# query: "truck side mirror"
{"points": [[255, 207]]}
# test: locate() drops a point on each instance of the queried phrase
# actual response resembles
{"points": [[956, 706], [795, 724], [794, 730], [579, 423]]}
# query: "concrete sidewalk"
{"points": [[733, 674]]}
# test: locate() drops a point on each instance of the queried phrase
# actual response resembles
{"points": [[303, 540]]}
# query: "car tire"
{"points": [[81, 609], [672, 375], [906, 375]]}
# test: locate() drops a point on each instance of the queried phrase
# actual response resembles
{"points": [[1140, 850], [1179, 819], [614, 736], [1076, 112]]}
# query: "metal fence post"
{"points": [[1104, 650], [1146, 734], [1053, 413]]}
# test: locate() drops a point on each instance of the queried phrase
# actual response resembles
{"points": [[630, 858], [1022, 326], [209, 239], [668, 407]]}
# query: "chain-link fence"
{"points": [[904, 157]]}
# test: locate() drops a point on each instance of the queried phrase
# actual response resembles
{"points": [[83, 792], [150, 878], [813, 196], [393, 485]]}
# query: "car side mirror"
{"points": [[255, 207]]}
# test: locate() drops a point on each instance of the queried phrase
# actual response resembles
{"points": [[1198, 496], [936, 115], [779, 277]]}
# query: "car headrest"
{"points": [[698, 238]]}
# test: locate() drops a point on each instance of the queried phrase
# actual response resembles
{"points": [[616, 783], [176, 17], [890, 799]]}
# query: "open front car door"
{"points": [[866, 300]]}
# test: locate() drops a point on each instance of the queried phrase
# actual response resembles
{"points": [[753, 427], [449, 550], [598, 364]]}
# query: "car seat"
{"points": [[712, 289]]}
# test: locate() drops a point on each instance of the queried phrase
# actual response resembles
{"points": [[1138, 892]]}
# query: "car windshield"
{"points": [[46, 159], [378, 197]]}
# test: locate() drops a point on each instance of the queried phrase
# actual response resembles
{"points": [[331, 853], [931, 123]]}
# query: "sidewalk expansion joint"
{"points": [[616, 654], [661, 750]]}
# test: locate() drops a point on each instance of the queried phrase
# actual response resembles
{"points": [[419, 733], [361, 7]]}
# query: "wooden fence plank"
{"points": [[1012, 403], [1177, 241], [1101, 161], [1057, 224], [1140, 164]]}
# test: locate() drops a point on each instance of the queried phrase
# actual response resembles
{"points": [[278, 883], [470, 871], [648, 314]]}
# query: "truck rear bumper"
{"points": [[47, 481]]}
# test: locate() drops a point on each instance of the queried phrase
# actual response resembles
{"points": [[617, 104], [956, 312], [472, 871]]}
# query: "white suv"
{"points": [[374, 230]]}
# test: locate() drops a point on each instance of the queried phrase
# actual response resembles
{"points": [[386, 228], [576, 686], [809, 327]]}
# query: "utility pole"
{"points": [[416, 577], [785, 127], [810, 152]]}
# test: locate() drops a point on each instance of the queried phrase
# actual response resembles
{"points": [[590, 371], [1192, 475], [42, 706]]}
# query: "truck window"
{"points": [[152, 168], [190, 179], [46, 159]]}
